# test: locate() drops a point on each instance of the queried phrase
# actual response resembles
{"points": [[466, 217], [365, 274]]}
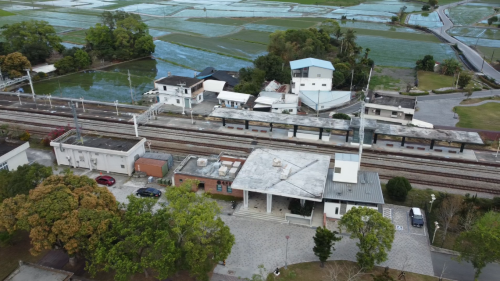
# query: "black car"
{"points": [[148, 192], [416, 217]]}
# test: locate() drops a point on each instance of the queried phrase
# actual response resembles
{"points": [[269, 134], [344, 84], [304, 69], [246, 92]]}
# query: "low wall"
{"points": [[310, 135], [298, 218]]}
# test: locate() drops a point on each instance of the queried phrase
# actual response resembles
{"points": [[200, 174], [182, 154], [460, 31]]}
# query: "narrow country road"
{"points": [[472, 56]]}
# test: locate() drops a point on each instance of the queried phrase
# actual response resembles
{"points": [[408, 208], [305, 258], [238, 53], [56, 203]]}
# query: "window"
{"points": [[394, 114], [185, 91], [123, 166], [319, 75], [180, 180], [164, 88], [290, 110], [324, 85], [219, 187], [338, 170], [322, 106], [229, 189], [80, 152], [4, 166], [199, 97], [302, 84], [336, 210], [178, 101], [314, 84]]}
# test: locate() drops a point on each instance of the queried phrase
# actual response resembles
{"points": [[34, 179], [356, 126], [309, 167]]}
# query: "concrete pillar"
{"points": [[245, 199], [320, 133], [432, 144], [271, 125], [302, 202], [403, 141], [346, 136], [375, 138], [269, 203], [462, 146], [224, 122], [295, 127], [246, 124]]}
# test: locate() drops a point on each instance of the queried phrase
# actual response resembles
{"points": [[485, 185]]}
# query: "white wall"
{"points": [[16, 157], [348, 173], [330, 209], [172, 90], [349, 206], [278, 108], [310, 135], [172, 100], [308, 84], [228, 103], [322, 72]]}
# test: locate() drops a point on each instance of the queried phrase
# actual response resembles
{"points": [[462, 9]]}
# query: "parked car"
{"points": [[416, 217], [148, 192], [105, 180]]}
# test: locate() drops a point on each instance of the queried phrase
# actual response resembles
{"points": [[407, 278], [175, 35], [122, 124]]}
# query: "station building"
{"points": [[98, 152], [13, 154]]}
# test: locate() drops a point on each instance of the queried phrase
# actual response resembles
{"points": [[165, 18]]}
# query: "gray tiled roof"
{"points": [[367, 189]]}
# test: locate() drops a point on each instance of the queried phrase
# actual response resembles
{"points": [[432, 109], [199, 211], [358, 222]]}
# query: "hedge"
{"points": [[489, 83], [415, 94], [447, 91]]}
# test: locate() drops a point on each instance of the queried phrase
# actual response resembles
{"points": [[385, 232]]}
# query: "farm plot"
{"points": [[182, 25], [490, 53], [402, 53], [387, 6], [196, 59], [219, 45], [264, 27], [429, 20], [86, 4], [290, 23], [192, 13], [251, 36], [376, 26], [313, 9], [423, 37], [154, 9], [468, 15], [246, 8], [479, 41], [224, 21], [477, 32], [51, 21], [63, 16]]}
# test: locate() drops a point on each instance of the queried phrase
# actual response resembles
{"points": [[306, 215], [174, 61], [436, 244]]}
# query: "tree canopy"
{"points": [[121, 36], [34, 39], [426, 64], [324, 240], [398, 188], [65, 211], [186, 234], [481, 244], [450, 67], [22, 180], [15, 64], [375, 234]]}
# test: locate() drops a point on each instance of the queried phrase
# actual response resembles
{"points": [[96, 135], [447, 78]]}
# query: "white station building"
{"points": [[98, 152], [13, 154]]}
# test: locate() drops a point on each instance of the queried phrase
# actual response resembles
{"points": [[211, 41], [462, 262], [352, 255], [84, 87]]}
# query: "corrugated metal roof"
{"points": [[233, 96], [347, 157], [366, 190], [296, 64]]}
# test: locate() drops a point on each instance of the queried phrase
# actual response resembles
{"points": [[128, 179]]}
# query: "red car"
{"points": [[105, 180]]}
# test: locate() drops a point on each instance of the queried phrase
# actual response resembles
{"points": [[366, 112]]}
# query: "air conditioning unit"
{"points": [[228, 164], [202, 162], [232, 172], [223, 171], [276, 162]]}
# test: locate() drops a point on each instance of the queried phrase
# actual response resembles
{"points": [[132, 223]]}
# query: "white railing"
{"points": [[8, 82]]}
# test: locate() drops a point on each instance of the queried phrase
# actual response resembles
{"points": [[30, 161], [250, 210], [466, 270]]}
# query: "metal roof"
{"points": [[366, 190], [278, 118], [176, 80], [296, 64], [347, 157], [233, 96]]}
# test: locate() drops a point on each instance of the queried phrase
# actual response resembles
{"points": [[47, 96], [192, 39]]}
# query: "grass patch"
{"points": [[178, 64], [5, 13], [311, 271], [488, 52], [224, 21], [477, 100], [485, 116], [384, 82], [397, 35], [292, 24], [416, 197], [254, 36], [430, 80], [206, 50], [224, 197]]}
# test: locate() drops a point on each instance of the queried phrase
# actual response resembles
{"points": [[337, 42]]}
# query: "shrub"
{"points": [[297, 209], [36, 78], [25, 136], [341, 116], [42, 75], [415, 94], [398, 188], [426, 7]]}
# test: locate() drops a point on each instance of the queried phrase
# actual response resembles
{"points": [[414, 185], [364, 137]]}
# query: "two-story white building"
{"points": [[311, 75], [179, 91]]}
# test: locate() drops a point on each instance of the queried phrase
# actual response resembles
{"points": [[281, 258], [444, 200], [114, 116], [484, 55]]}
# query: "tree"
{"points": [[426, 64], [343, 271], [394, 19], [375, 234], [274, 69], [464, 79], [492, 20], [433, 3], [480, 245], [15, 63], [81, 59], [331, 27], [450, 67], [398, 188], [22, 180], [426, 7], [251, 80], [69, 212], [449, 208], [324, 240], [65, 65], [34, 39], [342, 116]]}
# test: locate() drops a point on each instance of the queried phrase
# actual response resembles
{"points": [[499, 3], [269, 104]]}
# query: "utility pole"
{"points": [[50, 102], [482, 65], [130, 84], [491, 60], [458, 78], [352, 78], [31, 84], [19, 96], [362, 120], [75, 119], [192, 120], [498, 148], [135, 126], [83, 105], [286, 253], [116, 104]]}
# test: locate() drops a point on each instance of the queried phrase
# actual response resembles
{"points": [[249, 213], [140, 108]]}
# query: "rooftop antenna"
{"points": [[75, 118]]}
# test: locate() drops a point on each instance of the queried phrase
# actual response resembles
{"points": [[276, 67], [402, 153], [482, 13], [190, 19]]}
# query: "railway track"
{"points": [[164, 137]]}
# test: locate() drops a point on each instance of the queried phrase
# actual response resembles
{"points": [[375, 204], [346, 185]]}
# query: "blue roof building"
{"points": [[303, 63]]}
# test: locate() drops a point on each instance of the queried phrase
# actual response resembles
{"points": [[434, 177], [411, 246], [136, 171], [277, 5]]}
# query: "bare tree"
{"points": [[343, 271], [449, 208], [405, 262], [442, 272], [467, 221]]}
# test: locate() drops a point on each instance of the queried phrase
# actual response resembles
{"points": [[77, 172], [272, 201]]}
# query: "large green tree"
{"points": [[251, 80], [69, 212], [22, 180], [426, 64], [481, 244], [15, 64], [324, 240], [34, 39], [81, 59], [65, 65], [374, 233], [274, 68], [450, 67]]}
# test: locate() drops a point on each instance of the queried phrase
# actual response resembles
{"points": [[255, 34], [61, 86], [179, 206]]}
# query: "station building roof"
{"points": [[278, 118], [430, 134], [306, 180], [366, 190]]}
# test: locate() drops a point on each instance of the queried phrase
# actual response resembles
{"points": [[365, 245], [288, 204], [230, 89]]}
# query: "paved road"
{"points": [[461, 96], [350, 109], [462, 271], [474, 58]]}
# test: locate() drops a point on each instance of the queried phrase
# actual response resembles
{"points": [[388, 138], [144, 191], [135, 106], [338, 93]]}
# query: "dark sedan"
{"points": [[148, 192]]}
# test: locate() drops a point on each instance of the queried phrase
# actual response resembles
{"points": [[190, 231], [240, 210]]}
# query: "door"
{"points": [[187, 102]]}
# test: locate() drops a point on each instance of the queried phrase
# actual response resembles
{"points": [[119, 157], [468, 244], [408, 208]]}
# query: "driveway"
{"points": [[462, 271]]}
